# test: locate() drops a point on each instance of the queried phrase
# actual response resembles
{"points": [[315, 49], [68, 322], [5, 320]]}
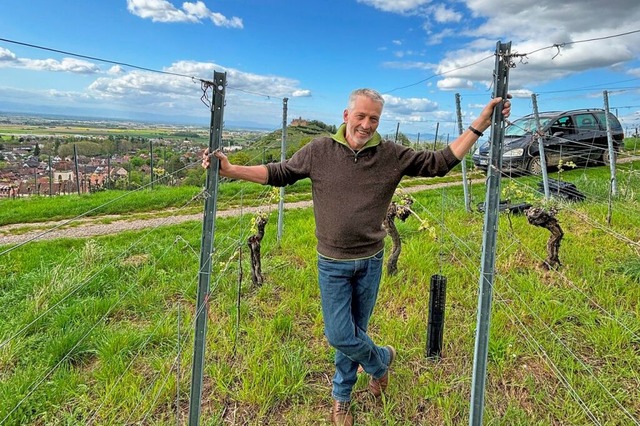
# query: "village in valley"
{"points": [[58, 156]]}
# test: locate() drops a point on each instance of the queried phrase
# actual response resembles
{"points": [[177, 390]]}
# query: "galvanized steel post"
{"points": [[283, 151], [612, 152], [206, 249], [543, 158], [465, 181], [492, 204]]}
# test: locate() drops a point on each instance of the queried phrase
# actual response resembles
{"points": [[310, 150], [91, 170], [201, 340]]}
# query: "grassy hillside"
{"points": [[268, 147], [295, 135], [100, 331]]}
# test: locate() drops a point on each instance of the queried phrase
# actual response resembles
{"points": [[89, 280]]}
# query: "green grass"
{"points": [[115, 202], [42, 208], [632, 145], [100, 323], [161, 200]]}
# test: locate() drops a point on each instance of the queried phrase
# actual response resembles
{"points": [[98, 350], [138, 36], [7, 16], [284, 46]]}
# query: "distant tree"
{"points": [[304, 141], [66, 150], [136, 178], [138, 162], [175, 166], [323, 126], [121, 146], [403, 139], [119, 184], [240, 158], [294, 148], [36, 150], [185, 135], [195, 177], [90, 149]]}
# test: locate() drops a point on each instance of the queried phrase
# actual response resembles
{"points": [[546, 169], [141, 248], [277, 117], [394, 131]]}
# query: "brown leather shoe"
{"points": [[378, 386], [341, 413]]}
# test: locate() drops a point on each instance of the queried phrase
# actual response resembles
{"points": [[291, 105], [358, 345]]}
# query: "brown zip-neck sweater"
{"points": [[352, 190]]}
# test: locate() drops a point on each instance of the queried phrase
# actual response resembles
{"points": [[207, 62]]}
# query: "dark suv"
{"points": [[579, 136]]}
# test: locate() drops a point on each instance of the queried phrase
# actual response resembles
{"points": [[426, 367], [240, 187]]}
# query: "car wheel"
{"points": [[535, 166]]}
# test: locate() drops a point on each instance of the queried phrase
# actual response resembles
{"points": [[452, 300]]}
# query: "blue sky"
{"points": [[418, 53]]}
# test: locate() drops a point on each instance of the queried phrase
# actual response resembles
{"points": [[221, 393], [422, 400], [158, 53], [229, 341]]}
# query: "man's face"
{"points": [[362, 121]]}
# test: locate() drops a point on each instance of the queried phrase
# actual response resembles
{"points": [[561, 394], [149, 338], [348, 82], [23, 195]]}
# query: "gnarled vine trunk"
{"points": [[402, 212], [254, 242], [546, 219]]}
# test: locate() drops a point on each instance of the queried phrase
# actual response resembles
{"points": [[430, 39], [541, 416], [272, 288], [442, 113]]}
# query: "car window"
{"points": [[563, 124], [613, 121], [524, 125], [586, 122]]}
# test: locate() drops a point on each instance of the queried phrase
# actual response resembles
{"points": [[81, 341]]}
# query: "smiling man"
{"points": [[354, 175], [362, 117]]}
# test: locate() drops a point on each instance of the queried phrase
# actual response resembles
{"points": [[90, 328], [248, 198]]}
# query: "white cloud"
{"points": [[8, 59], [404, 53], [197, 9], [443, 14], [115, 70], [221, 21], [396, 105], [550, 18], [159, 11], [530, 27], [452, 83], [62, 95], [73, 65], [255, 83], [467, 64], [301, 93], [520, 93], [176, 95], [396, 6], [7, 56], [437, 38], [548, 22], [408, 65], [164, 11], [476, 64]]}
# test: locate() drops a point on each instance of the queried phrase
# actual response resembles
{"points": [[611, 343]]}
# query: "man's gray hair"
{"points": [[369, 93]]}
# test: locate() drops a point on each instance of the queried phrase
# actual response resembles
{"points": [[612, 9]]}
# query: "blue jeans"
{"points": [[349, 289]]}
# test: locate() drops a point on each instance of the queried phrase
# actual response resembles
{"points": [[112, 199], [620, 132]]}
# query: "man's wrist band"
{"points": [[476, 131]]}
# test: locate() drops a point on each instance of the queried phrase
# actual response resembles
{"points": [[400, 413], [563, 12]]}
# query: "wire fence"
{"points": [[92, 328]]}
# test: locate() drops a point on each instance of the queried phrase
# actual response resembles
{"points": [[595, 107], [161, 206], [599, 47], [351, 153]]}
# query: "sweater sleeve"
{"points": [[292, 170], [426, 163]]}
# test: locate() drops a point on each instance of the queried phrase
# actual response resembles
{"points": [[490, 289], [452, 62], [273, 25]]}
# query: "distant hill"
{"points": [[295, 135], [266, 149], [299, 134]]}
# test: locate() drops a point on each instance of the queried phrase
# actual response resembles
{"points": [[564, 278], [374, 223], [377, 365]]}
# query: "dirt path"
{"points": [[91, 227]]}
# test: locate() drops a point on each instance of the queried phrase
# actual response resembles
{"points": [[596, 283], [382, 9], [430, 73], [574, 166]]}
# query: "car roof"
{"points": [[552, 114]]}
